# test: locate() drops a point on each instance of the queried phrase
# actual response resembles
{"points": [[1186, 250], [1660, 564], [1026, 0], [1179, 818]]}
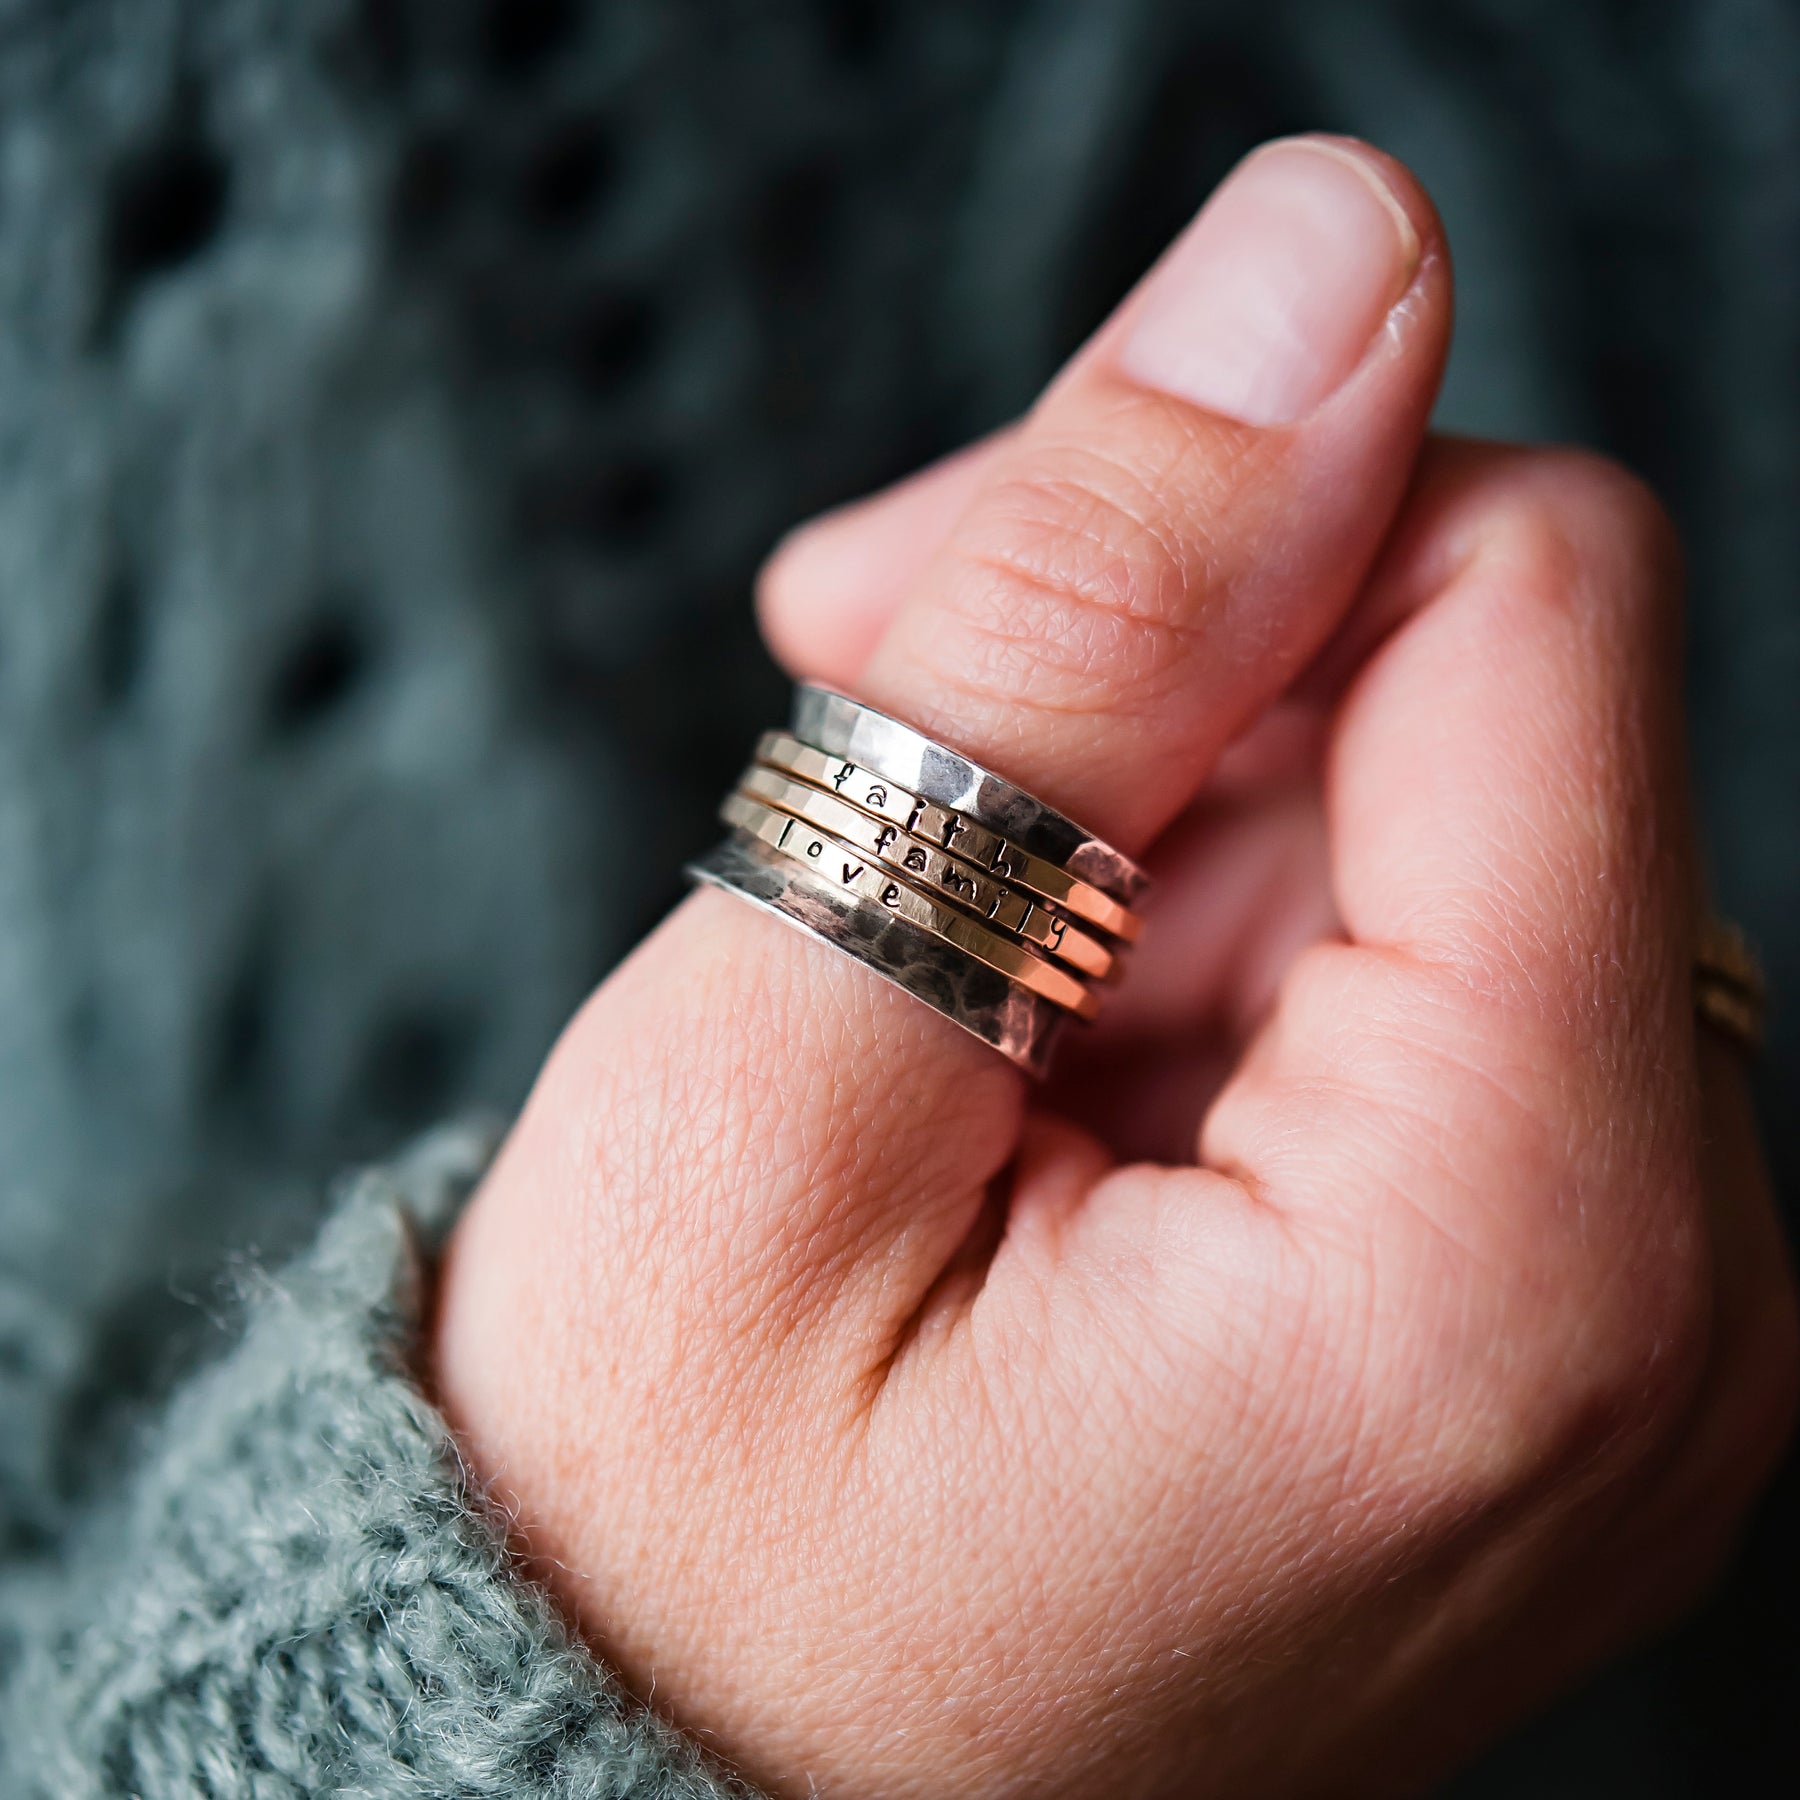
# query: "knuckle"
{"points": [[1611, 1381], [1612, 501], [1573, 525], [1640, 1347], [1604, 1262], [1076, 587], [1736, 1442]]}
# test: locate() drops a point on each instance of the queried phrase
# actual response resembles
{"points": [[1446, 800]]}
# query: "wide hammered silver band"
{"points": [[1019, 1025], [958, 886], [843, 727]]}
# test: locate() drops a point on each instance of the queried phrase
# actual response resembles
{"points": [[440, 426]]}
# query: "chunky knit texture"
{"points": [[395, 399], [296, 1594]]}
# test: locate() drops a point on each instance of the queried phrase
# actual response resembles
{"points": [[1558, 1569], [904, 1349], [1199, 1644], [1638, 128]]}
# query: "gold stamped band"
{"points": [[965, 890], [943, 826], [924, 865], [1730, 993], [839, 862]]}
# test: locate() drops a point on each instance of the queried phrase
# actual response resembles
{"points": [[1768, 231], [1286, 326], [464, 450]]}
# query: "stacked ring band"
{"points": [[1729, 990], [961, 888]]}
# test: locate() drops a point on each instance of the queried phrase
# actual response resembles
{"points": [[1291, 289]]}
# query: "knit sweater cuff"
{"points": [[299, 1593]]}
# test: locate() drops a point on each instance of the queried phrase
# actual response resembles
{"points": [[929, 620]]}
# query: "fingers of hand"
{"points": [[1509, 784], [1241, 887], [1498, 1072]]}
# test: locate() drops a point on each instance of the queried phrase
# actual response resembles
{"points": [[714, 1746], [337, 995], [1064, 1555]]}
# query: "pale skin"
{"points": [[1379, 1320]]}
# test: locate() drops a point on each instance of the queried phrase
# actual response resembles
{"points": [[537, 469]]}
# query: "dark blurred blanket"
{"points": [[396, 395]]}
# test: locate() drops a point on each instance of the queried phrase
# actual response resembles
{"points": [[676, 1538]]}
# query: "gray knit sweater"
{"points": [[395, 399], [296, 1592]]}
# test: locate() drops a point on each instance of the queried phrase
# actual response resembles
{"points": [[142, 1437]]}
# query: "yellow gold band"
{"points": [[848, 868], [924, 865], [947, 829], [1729, 990]]}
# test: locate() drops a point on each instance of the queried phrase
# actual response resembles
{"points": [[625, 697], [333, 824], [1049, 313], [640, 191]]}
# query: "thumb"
{"points": [[745, 1116]]}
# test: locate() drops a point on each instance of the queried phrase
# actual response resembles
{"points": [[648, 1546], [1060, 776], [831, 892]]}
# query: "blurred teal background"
{"points": [[397, 395]]}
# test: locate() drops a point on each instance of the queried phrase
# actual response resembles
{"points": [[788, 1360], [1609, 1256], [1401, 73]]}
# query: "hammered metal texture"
{"points": [[979, 999]]}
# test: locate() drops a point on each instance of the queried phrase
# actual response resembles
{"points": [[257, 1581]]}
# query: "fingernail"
{"points": [[1269, 301]]}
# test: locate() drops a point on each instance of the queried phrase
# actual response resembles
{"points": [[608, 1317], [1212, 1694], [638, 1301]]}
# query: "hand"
{"points": [[1382, 1318]]}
